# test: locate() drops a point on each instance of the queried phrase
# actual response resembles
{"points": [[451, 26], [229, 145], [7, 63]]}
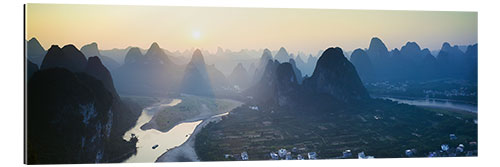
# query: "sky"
{"points": [[307, 30]]}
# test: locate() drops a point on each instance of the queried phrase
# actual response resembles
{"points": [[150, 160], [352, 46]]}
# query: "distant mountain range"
{"points": [[411, 62], [202, 79], [91, 50], [35, 52], [165, 70], [282, 55], [153, 72], [156, 73], [240, 77]]}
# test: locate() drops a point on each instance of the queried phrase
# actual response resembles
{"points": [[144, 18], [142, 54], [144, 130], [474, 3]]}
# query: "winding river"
{"points": [[151, 137]]}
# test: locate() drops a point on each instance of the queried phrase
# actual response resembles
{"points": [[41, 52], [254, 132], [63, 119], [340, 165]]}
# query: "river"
{"points": [[151, 137], [438, 103]]}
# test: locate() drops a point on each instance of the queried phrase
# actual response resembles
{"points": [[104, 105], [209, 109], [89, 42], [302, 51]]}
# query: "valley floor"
{"points": [[379, 128]]}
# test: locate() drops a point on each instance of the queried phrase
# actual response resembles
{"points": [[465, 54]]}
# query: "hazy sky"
{"points": [[179, 28]]}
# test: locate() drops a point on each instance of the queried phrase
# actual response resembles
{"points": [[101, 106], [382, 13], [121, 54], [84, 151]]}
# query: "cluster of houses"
{"points": [[453, 137], [256, 108], [347, 154], [283, 154], [410, 152], [446, 150], [243, 156], [362, 155], [388, 86]]}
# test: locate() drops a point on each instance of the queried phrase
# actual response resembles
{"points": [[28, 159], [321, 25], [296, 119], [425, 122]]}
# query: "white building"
{"points": [[274, 156], [311, 155], [244, 156], [460, 148], [282, 152], [361, 155], [409, 153], [228, 156], [445, 147], [453, 137], [256, 108], [288, 156], [346, 154]]}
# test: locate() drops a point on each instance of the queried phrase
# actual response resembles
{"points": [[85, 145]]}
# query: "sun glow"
{"points": [[196, 35], [210, 27]]}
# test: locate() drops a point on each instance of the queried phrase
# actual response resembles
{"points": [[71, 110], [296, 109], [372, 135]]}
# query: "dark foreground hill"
{"points": [[69, 117], [75, 114]]}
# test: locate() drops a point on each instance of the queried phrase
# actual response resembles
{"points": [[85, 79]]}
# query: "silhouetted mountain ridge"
{"points": [[282, 55], [334, 77], [91, 50], [202, 79], [35, 52], [69, 57], [413, 63]]}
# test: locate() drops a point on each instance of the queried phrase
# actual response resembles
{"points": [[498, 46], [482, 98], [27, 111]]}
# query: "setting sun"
{"points": [[196, 35]]}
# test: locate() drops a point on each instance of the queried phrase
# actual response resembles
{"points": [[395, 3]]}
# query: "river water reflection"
{"points": [[435, 103], [151, 137]]}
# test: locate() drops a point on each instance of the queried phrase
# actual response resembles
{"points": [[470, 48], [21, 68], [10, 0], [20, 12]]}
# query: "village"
{"points": [[257, 132], [446, 150]]}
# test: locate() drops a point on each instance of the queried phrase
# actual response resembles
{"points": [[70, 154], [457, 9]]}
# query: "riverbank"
{"points": [[186, 152], [433, 103], [149, 138], [192, 108], [173, 137], [420, 98]]}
